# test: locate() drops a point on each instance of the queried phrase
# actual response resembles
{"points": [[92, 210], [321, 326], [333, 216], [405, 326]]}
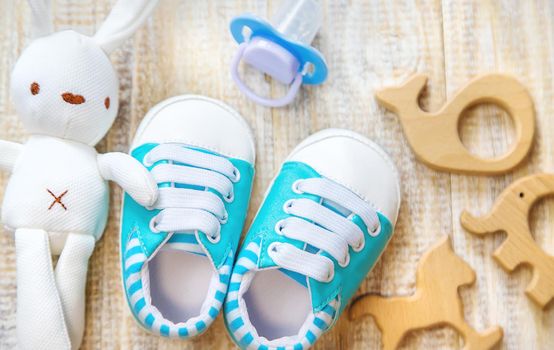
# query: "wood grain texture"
{"points": [[435, 302], [510, 214], [186, 48], [434, 137]]}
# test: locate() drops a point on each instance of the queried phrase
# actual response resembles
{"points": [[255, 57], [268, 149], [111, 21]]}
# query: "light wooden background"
{"points": [[186, 48]]}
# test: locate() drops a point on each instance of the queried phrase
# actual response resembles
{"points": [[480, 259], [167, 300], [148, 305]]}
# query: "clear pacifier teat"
{"points": [[280, 49]]}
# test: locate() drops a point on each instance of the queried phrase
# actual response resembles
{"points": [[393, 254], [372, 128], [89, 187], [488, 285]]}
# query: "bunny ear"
{"points": [[126, 17], [41, 17]]}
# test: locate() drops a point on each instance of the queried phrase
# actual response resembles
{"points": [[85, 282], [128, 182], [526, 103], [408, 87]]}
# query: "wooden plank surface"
{"points": [[186, 48]]}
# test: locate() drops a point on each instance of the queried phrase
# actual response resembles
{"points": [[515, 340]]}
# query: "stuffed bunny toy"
{"points": [[65, 90]]}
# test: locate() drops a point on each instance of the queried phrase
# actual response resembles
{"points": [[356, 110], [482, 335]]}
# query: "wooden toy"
{"points": [[435, 303], [510, 214], [434, 137]]}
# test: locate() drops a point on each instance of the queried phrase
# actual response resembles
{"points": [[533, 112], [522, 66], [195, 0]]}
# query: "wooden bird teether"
{"points": [[510, 214], [435, 303], [434, 137]]}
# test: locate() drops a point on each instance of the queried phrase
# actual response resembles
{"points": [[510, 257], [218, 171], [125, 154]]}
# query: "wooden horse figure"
{"points": [[511, 214], [434, 136], [435, 303]]}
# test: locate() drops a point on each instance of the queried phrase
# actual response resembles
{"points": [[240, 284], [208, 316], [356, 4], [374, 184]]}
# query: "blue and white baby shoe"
{"points": [[177, 257], [323, 225]]}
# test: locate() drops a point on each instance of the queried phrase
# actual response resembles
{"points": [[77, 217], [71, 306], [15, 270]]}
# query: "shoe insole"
{"points": [[179, 283], [277, 305]]}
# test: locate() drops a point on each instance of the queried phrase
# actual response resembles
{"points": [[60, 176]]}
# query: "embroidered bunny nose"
{"points": [[72, 98]]}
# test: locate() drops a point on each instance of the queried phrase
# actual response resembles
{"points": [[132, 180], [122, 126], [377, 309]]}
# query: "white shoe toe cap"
{"points": [[199, 122], [356, 163]]}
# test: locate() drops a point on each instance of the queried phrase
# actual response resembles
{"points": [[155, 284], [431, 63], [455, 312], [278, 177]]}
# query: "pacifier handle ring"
{"points": [[279, 102]]}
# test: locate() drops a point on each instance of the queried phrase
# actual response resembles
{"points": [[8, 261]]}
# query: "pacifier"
{"points": [[280, 49]]}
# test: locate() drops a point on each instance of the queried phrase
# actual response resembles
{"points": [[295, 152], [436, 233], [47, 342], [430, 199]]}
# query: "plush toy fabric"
{"points": [[65, 90]]}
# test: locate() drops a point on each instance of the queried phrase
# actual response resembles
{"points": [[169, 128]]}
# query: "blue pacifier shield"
{"points": [[305, 54]]}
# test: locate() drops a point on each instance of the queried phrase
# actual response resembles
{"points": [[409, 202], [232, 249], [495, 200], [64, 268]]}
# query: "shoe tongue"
{"points": [[184, 242], [297, 277]]}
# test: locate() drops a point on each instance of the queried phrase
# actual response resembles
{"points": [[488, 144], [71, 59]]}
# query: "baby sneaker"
{"points": [[177, 256], [322, 226]]}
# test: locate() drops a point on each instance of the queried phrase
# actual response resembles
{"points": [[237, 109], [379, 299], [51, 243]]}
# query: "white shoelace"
{"points": [[323, 228], [186, 210]]}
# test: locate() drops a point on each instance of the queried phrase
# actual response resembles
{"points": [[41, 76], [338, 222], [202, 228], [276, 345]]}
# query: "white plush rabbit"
{"points": [[65, 90]]}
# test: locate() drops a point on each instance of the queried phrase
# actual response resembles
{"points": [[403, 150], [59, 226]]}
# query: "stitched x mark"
{"points": [[57, 199]]}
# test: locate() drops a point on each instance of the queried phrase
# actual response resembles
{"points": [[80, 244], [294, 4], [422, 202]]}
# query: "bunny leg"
{"points": [[40, 318], [71, 278]]}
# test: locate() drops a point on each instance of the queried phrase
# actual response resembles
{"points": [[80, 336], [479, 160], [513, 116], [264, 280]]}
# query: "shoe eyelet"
{"points": [[152, 225], [360, 246], [296, 186], [375, 231], [146, 160], [273, 248], [345, 262], [215, 239], [224, 219], [236, 175], [279, 226], [230, 197], [330, 276], [288, 204]]}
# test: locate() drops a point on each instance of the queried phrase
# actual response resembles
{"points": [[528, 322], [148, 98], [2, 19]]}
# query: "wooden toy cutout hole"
{"points": [[434, 136], [541, 223], [424, 100], [487, 131]]}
